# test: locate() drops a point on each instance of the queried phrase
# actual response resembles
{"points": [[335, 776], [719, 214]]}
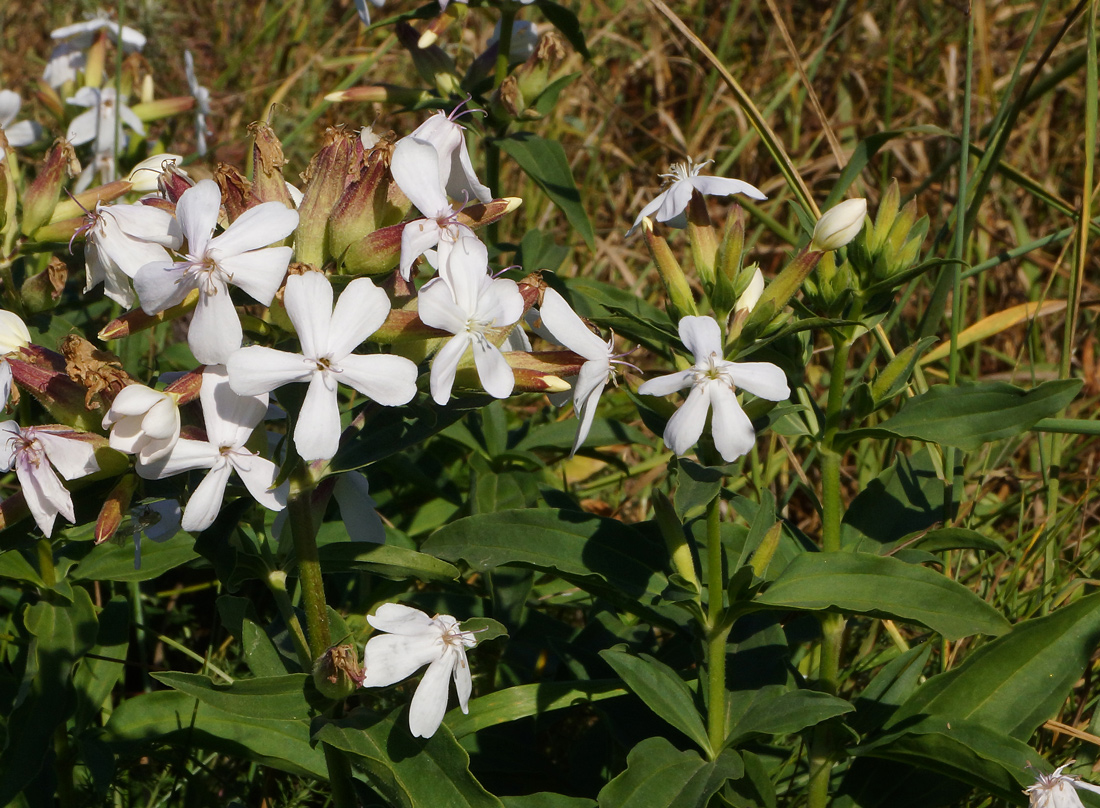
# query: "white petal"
{"points": [[686, 424], [463, 681], [415, 169], [256, 369], [230, 418], [259, 273], [493, 369], [215, 330], [308, 301], [23, 133], [134, 399], [13, 332], [360, 311], [206, 501], [587, 391], [42, 491], [729, 426], [84, 127], [72, 457], [463, 182], [397, 618], [465, 271], [568, 328], [317, 430], [146, 223], [10, 104], [429, 703], [162, 420], [130, 118], [648, 210], [445, 365], [389, 380], [675, 203], [437, 308], [389, 658], [702, 336], [723, 186], [258, 475], [665, 385], [417, 237], [162, 285], [357, 508], [184, 456], [500, 303], [257, 227], [197, 212], [5, 382], [762, 379]]}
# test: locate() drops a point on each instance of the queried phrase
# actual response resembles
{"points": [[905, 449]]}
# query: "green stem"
{"points": [[309, 563], [63, 755], [276, 582], [504, 43], [716, 631]]}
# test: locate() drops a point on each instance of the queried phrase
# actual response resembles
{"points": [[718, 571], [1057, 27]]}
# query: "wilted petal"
{"points": [[206, 501], [729, 426], [429, 703], [256, 369], [686, 424], [389, 380]]}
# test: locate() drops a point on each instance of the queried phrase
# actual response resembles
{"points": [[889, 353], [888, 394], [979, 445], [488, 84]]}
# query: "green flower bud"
{"points": [[839, 225], [337, 672], [42, 196]]}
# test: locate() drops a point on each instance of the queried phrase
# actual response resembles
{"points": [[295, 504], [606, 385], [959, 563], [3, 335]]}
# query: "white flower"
{"points": [[27, 450], [327, 336], [239, 256], [66, 61], [119, 240], [364, 10], [202, 102], [13, 336], [568, 329], [671, 204], [68, 55], [22, 133], [229, 420], [100, 121], [751, 296], [145, 176], [713, 382], [416, 170], [156, 521], [467, 302], [144, 422], [412, 641], [839, 225], [1057, 790], [456, 171]]}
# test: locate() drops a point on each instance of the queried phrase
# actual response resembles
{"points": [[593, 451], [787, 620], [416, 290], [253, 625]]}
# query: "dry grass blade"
{"points": [[771, 141]]}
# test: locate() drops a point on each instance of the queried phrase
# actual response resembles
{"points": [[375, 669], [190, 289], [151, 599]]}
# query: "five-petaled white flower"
{"points": [[13, 336], [568, 329], [713, 382], [68, 55], [99, 122], [466, 301], [670, 206], [202, 102], [239, 256], [1057, 790], [119, 240], [144, 422], [28, 450], [327, 336], [229, 419], [416, 170], [413, 640], [456, 171], [20, 133]]}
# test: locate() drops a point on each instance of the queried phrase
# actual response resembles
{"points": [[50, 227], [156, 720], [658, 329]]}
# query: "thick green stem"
{"points": [[309, 563], [716, 631], [276, 583]]}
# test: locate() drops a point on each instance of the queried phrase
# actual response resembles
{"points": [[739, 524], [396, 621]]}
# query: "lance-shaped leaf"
{"points": [[659, 774]]}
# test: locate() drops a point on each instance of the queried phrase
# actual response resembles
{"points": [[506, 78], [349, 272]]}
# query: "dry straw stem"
{"points": [[771, 141]]}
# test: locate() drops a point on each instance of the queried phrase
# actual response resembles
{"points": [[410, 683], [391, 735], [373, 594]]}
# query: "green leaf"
{"points": [[775, 710], [561, 434], [486, 628], [15, 566], [260, 653], [696, 485], [384, 560], [949, 538], [861, 583], [105, 664], [565, 21], [599, 555], [170, 717], [547, 799], [969, 415], [658, 775], [662, 690], [545, 162], [408, 772], [115, 562], [1018, 681], [904, 499], [892, 686], [272, 697], [522, 701]]}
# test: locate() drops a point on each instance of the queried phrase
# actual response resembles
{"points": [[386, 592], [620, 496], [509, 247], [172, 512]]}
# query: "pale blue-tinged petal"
{"points": [[665, 385], [762, 379], [724, 186], [215, 330], [493, 369], [702, 336], [317, 430], [256, 369], [83, 128], [357, 509], [445, 365], [429, 702], [729, 426], [130, 118], [161, 285], [360, 311], [567, 327], [45, 495], [10, 104], [390, 658], [230, 418], [648, 210], [389, 380], [206, 500], [259, 273], [586, 396], [686, 424], [397, 618], [257, 227], [23, 133], [415, 169], [464, 683], [436, 307], [675, 203], [308, 302], [186, 455], [258, 475], [197, 213], [5, 382]]}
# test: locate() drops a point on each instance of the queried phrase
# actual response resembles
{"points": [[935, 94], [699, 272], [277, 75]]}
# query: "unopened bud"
{"points": [[839, 225], [326, 178], [114, 507], [542, 67], [703, 238], [679, 293], [749, 298], [337, 673], [137, 320], [884, 217], [375, 253], [87, 200], [353, 216], [432, 62], [673, 533], [382, 93], [268, 184], [42, 291], [42, 196], [163, 108]]}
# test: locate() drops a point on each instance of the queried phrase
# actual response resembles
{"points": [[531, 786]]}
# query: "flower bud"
{"points": [[374, 254], [268, 184], [41, 373], [541, 69], [681, 301], [87, 200], [146, 175], [751, 296], [354, 215], [703, 239], [337, 673], [143, 422], [236, 191], [673, 532], [884, 217], [163, 108], [42, 196], [382, 93], [13, 332], [116, 504], [42, 291], [326, 178], [839, 225], [137, 320]]}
